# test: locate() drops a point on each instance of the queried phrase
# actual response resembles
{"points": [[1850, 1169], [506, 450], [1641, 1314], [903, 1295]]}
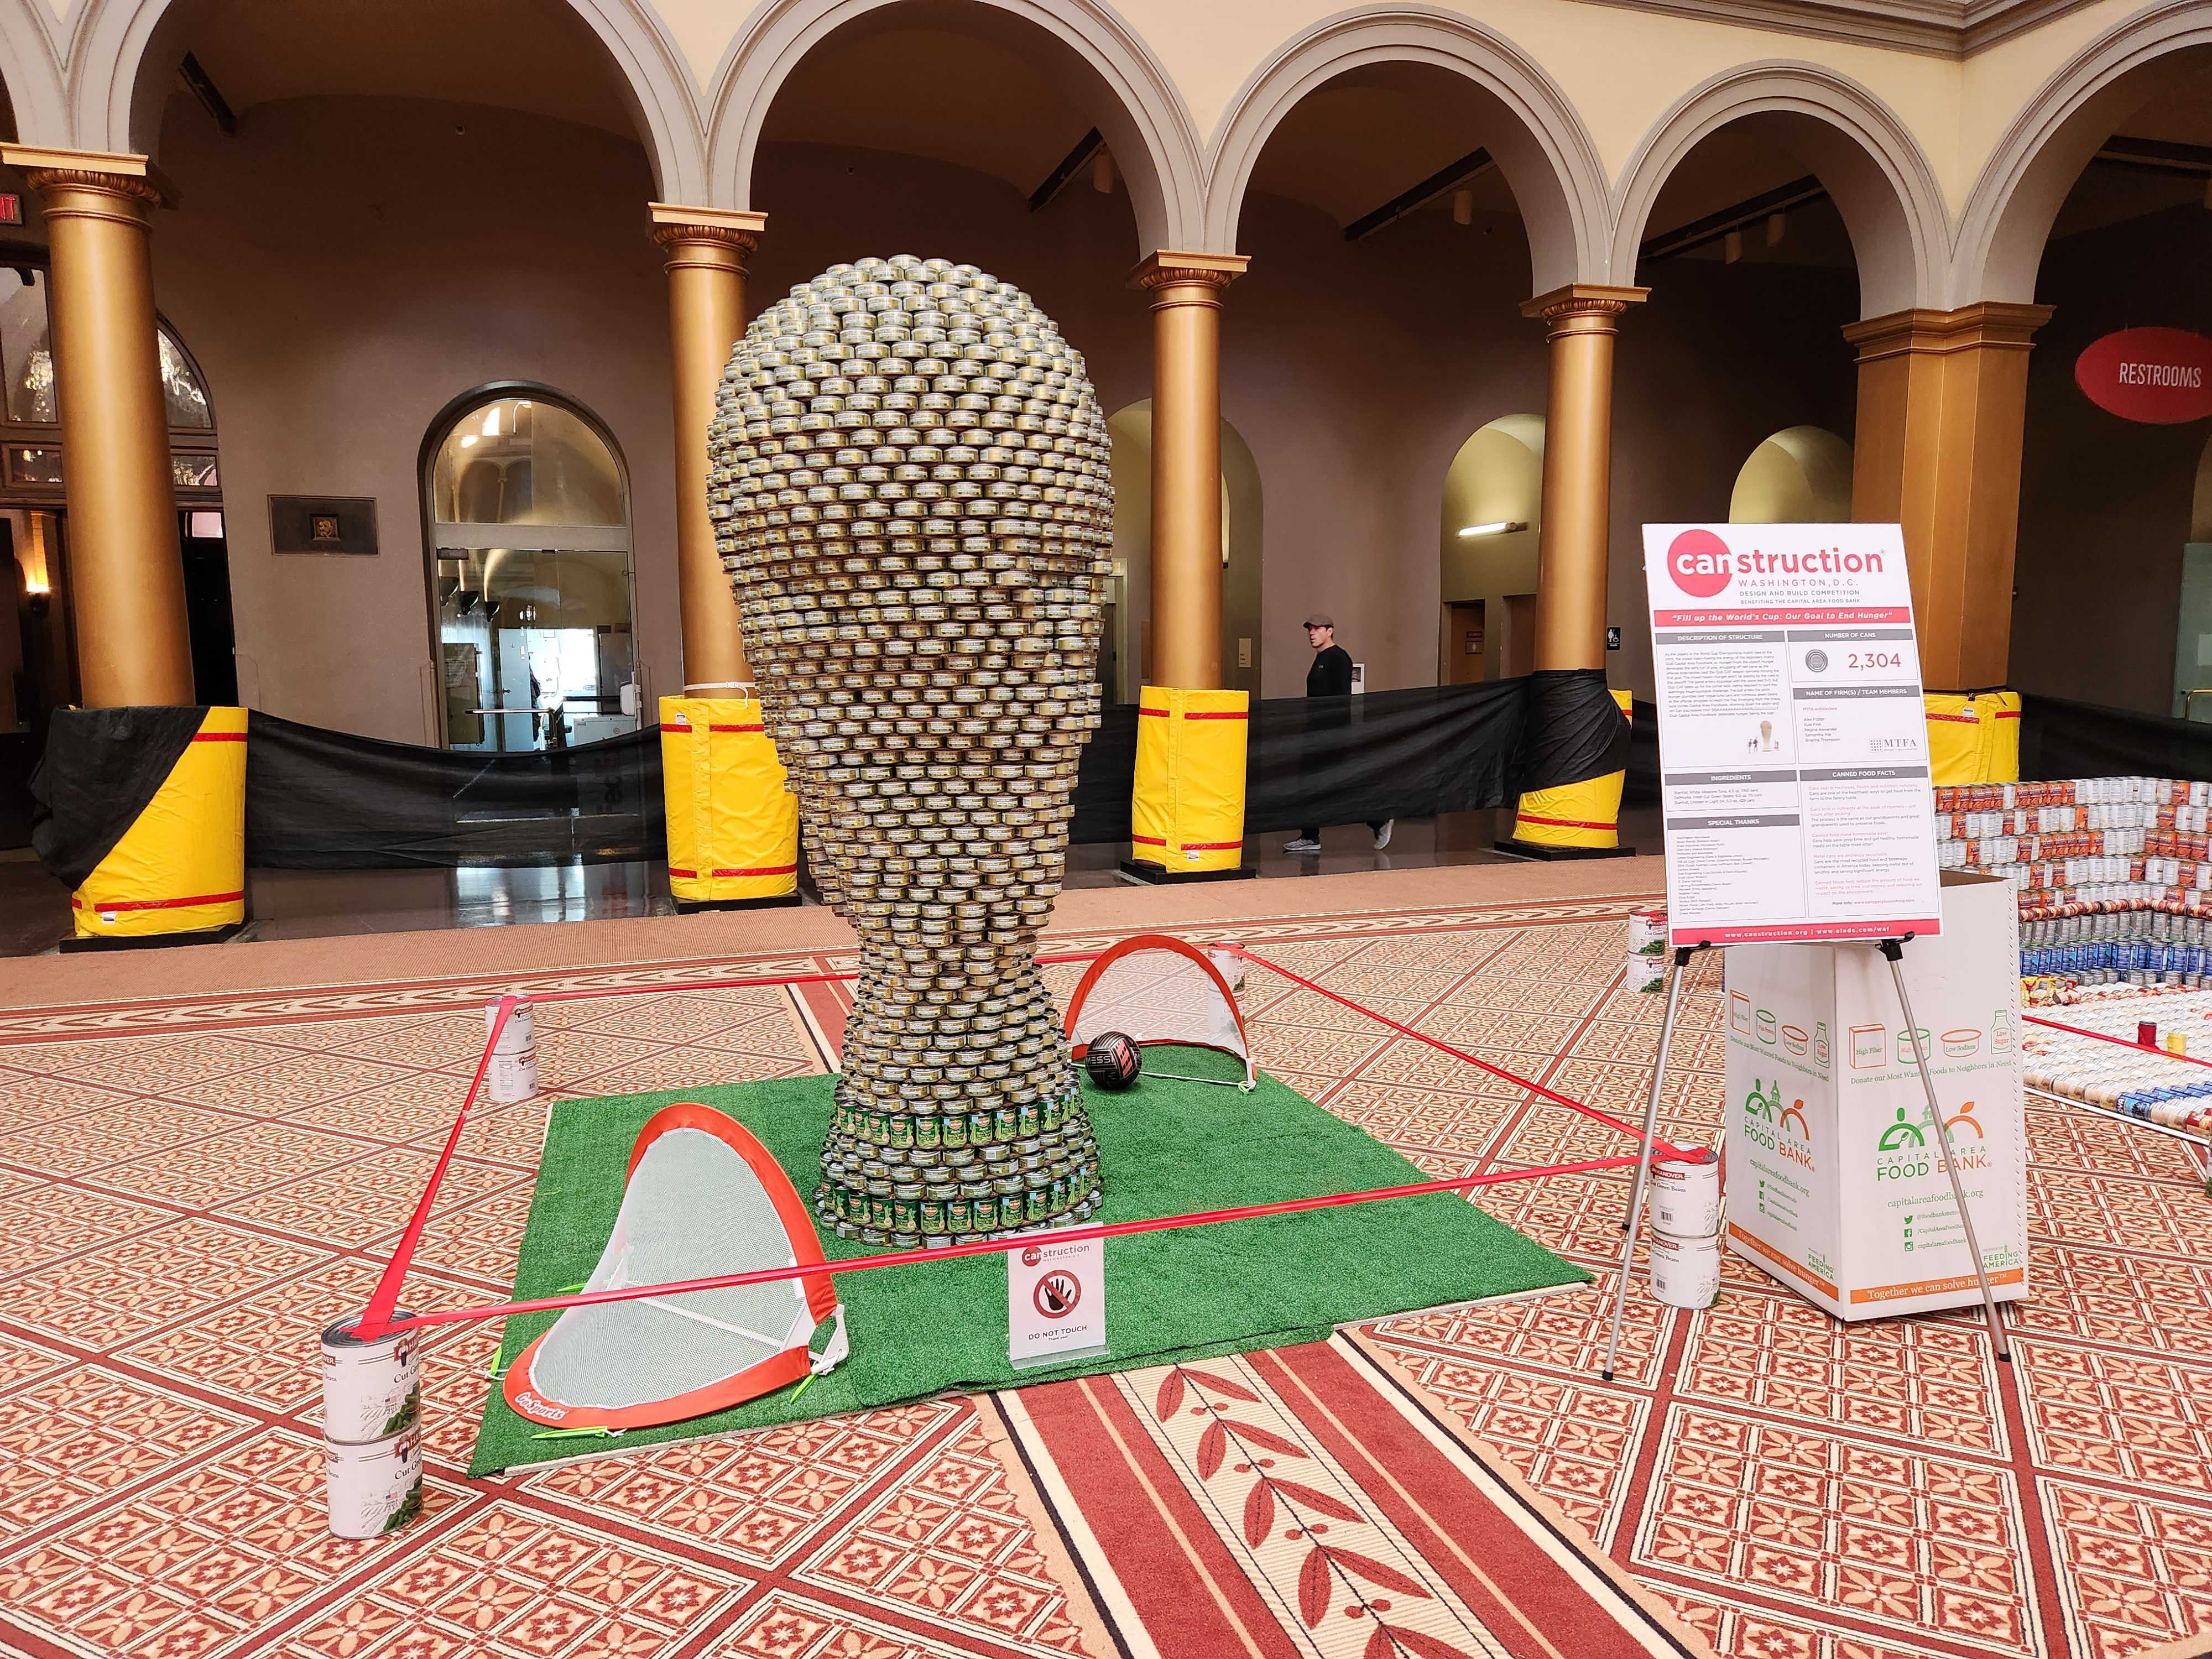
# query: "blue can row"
{"points": [[2117, 955]]}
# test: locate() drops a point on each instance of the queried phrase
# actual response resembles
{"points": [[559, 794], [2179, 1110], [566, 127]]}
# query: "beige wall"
{"points": [[344, 268]]}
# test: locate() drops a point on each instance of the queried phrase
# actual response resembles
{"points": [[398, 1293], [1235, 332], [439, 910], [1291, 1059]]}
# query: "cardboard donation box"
{"points": [[1836, 1183]]}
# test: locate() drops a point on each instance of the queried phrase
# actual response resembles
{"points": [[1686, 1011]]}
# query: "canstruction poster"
{"points": [[1836, 1179], [1793, 751]]}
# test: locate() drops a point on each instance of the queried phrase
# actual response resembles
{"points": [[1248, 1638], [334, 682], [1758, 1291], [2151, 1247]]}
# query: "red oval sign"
{"points": [[2159, 376]]}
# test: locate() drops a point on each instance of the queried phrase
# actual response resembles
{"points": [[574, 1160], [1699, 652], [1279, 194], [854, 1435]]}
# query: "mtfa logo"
{"points": [[1698, 561]]}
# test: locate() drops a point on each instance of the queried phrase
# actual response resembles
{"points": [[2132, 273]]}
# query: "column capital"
{"points": [[1583, 300], [675, 226], [134, 178], [1988, 323], [1164, 269]]}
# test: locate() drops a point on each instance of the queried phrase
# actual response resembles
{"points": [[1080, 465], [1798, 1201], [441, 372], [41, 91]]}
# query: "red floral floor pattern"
{"points": [[191, 1187]]}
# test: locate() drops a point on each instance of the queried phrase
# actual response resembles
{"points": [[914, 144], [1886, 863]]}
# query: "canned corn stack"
{"points": [[1647, 949], [1685, 1229], [371, 1429], [512, 1073]]}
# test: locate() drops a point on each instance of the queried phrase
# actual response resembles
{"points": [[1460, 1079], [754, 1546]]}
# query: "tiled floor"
{"points": [[189, 1190]]}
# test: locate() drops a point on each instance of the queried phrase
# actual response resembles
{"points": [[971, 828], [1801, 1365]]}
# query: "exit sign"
{"points": [[11, 210]]}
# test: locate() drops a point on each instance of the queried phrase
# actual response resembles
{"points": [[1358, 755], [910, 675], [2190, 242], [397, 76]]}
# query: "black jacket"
{"points": [[1331, 674]]}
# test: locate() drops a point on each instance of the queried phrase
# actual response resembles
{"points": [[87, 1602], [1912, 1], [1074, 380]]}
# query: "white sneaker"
{"points": [[1301, 845], [1382, 836]]}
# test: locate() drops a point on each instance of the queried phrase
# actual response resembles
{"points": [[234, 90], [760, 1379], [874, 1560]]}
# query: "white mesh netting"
{"points": [[1155, 995], [693, 1208]]}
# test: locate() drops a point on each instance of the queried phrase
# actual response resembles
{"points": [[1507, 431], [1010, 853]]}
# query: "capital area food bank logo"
{"points": [[1698, 561]]}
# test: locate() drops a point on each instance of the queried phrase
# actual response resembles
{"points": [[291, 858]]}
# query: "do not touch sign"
{"points": [[1055, 1302]]}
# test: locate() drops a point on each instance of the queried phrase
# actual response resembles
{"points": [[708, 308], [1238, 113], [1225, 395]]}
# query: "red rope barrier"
{"points": [[376, 1319], [1663, 1148], [992, 1246]]}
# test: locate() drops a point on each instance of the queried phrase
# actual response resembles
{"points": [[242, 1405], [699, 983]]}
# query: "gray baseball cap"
{"points": [[1320, 619]]}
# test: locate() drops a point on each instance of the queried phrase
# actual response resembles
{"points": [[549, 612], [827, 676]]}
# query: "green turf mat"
{"points": [[1164, 1148]]}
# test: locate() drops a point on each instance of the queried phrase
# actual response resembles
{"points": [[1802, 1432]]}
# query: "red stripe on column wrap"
{"points": [[765, 870], [687, 729], [1216, 714], [1148, 840], [1210, 845], [218, 737], [156, 904], [1960, 720], [2008, 713], [1157, 714], [1563, 823]]}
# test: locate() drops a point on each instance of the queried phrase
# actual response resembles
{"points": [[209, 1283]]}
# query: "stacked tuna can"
{"points": [[1647, 949], [2081, 847], [1685, 1229], [371, 1429], [913, 496], [2135, 1079]]}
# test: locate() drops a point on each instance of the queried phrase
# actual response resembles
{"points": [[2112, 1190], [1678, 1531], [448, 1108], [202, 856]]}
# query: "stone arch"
{"points": [[1118, 82], [1542, 147], [31, 70], [2010, 212], [1891, 205], [111, 42]]}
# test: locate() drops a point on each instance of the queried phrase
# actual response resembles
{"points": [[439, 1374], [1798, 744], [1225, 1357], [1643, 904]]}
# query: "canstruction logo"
{"points": [[1782, 1130], [1908, 1146], [1698, 561]]}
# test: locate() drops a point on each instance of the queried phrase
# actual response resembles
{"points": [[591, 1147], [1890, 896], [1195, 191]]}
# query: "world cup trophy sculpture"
{"points": [[913, 496]]}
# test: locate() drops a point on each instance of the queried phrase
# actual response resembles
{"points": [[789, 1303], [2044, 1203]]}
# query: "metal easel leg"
{"points": [[1628, 1226], [1894, 951]]}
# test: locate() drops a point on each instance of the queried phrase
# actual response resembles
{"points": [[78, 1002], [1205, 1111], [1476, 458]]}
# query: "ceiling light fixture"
{"points": [[468, 439], [491, 422], [1502, 527]]}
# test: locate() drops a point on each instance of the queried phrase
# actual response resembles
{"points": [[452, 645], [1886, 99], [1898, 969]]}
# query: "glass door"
{"points": [[530, 520]]}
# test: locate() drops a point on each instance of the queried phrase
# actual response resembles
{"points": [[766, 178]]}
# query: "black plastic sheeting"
{"points": [[2060, 738], [325, 800], [102, 767]]}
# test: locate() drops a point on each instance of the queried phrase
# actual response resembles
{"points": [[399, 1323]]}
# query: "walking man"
{"points": [[1330, 677]]}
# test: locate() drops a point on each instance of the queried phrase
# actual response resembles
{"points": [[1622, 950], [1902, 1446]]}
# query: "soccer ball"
{"points": [[1113, 1060]]}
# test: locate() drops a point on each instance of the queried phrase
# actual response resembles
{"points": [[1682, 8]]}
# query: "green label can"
{"points": [[933, 1215], [901, 1131], [959, 1215], [1029, 1119], [979, 1129], [928, 1131], [1008, 1123], [955, 1129]]}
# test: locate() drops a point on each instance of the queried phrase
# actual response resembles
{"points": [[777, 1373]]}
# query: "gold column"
{"points": [[707, 251], [127, 572], [1942, 406], [1186, 598], [1574, 543]]}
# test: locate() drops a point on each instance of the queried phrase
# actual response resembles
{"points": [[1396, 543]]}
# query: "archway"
{"points": [[1401, 184], [130, 50], [1492, 514], [2105, 222], [1243, 643], [528, 510], [1801, 475], [1087, 59], [429, 197]]}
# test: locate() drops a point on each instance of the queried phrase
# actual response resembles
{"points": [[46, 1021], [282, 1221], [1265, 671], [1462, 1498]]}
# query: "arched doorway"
{"points": [[1129, 616], [527, 507], [38, 655], [1493, 510], [1801, 475], [1402, 186]]}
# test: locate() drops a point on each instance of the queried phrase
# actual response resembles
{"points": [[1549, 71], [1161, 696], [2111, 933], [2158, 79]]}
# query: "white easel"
{"points": [[1893, 951]]}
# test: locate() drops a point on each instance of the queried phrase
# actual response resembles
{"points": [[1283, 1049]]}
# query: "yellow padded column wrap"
{"points": [[1187, 812], [733, 820], [1585, 814], [1972, 739], [181, 866]]}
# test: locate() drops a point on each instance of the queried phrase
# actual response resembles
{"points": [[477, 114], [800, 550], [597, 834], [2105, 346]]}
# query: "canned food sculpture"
{"points": [[913, 498]]}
